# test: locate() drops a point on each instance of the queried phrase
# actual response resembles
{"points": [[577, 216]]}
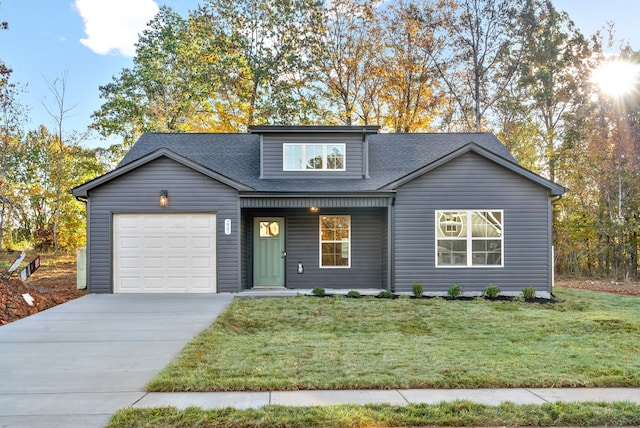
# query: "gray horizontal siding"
{"points": [[368, 256], [139, 192], [272, 144], [471, 182]]}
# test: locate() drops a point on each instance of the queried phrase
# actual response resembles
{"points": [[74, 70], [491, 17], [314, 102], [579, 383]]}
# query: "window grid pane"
{"points": [[314, 156], [335, 241], [479, 245], [335, 156], [323, 157]]}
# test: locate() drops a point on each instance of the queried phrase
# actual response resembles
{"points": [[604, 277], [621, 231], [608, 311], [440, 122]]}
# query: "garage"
{"points": [[164, 253]]}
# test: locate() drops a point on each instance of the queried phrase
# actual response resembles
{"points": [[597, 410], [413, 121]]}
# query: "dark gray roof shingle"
{"points": [[237, 156]]}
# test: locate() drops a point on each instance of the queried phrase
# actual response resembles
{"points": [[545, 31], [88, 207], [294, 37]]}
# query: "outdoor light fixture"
{"points": [[314, 209], [300, 268], [164, 198]]}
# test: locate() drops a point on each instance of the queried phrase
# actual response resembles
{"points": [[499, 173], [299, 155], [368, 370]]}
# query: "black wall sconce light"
{"points": [[164, 198]]}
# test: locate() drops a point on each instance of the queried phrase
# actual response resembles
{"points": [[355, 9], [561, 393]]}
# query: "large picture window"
{"points": [[322, 157], [335, 241], [469, 238]]}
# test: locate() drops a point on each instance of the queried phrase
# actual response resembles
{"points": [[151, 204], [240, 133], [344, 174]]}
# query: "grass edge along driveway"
{"points": [[587, 339]]}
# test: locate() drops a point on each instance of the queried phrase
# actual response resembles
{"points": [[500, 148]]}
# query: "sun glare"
{"points": [[616, 78]]}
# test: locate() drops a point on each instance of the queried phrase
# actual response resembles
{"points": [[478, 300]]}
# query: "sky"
{"points": [[93, 40]]}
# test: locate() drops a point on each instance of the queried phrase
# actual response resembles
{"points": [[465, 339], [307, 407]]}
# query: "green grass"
{"points": [[588, 339], [459, 413]]}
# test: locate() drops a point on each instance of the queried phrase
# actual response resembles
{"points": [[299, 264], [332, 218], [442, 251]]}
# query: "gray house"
{"points": [[319, 206]]}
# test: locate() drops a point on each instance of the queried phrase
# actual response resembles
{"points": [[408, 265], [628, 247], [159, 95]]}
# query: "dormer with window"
{"points": [[314, 151]]}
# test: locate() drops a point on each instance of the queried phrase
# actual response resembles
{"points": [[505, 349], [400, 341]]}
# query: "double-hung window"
{"points": [[319, 157], [469, 238], [335, 241]]}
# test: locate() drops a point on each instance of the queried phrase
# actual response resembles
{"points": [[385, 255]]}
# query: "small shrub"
{"points": [[491, 291], [353, 294], [529, 293], [417, 289], [318, 292], [454, 291], [385, 295]]}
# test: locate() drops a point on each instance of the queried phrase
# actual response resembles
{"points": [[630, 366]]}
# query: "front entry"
{"points": [[268, 251]]}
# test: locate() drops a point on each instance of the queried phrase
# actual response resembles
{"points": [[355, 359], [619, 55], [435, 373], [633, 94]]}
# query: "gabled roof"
{"points": [[554, 189], [235, 160], [82, 190]]}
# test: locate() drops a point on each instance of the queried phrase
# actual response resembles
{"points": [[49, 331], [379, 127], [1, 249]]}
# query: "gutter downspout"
{"points": [[552, 256], [391, 244]]}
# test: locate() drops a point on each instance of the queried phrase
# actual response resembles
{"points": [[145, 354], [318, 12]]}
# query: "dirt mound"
{"points": [[628, 288], [13, 306], [54, 283]]}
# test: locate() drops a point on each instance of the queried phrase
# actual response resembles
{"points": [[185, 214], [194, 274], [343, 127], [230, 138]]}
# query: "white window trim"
{"points": [[324, 156], [469, 239], [333, 241]]}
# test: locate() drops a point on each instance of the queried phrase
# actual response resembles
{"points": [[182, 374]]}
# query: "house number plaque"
{"points": [[227, 226]]}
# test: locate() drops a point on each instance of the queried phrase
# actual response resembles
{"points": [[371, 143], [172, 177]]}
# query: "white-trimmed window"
{"points": [[469, 238], [318, 157], [335, 241]]}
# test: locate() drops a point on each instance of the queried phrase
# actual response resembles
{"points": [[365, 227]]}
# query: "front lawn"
{"points": [[587, 339]]}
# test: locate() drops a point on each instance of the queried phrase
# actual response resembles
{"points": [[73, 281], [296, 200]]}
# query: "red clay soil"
{"points": [[629, 288], [55, 283]]}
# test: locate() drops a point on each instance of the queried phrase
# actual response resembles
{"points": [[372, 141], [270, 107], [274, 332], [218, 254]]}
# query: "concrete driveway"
{"points": [[74, 365]]}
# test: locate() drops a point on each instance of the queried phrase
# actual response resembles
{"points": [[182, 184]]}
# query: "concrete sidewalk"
{"points": [[399, 397]]}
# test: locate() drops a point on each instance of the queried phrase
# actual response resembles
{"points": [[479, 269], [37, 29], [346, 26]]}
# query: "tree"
{"points": [[346, 59], [274, 41], [555, 78], [598, 222], [59, 112], [228, 65], [411, 89], [153, 95], [36, 178], [485, 42], [12, 114]]}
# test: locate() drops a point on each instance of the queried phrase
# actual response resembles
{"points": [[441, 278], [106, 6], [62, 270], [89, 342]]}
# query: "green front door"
{"points": [[268, 252]]}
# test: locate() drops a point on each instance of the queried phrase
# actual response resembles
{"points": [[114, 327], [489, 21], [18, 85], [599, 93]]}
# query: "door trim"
{"points": [[271, 238]]}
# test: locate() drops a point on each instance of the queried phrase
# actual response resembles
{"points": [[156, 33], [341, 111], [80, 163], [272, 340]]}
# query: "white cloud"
{"points": [[114, 25]]}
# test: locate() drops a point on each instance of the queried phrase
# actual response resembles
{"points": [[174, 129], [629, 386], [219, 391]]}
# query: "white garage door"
{"points": [[164, 253]]}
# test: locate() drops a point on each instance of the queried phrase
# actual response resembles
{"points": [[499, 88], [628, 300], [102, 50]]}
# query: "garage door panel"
{"points": [[129, 223], [181, 263], [150, 283], [201, 262], [177, 222], [177, 243], [129, 262], [152, 263], [164, 253], [202, 242], [153, 242], [130, 283], [202, 222], [201, 283], [129, 242], [151, 222]]}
